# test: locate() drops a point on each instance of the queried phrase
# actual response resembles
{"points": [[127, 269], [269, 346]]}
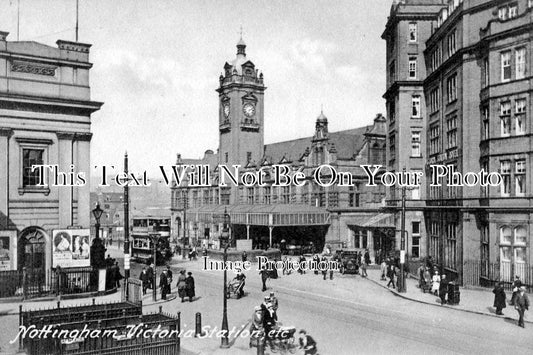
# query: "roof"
{"points": [[348, 143]]}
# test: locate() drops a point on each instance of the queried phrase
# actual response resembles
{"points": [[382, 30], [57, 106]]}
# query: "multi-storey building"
{"points": [[409, 25], [322, 215], [477, 93], [45, 118]]}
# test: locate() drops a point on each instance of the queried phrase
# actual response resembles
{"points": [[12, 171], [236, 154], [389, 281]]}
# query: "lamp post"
{"points": [[225, 237], [402, 287], [126, 223], [154, 238], [195, 228], [98, 249]]}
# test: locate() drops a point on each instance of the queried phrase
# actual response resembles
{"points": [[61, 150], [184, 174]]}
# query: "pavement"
{"points": [[477, 301]]}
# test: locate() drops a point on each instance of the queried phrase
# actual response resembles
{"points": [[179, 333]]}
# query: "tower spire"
{"points": [[241, 46]]}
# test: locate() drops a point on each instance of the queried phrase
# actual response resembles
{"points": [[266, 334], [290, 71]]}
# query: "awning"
{"points": [[379, 220]]}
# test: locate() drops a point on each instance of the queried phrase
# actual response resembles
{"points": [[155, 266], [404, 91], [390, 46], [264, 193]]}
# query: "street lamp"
{"points": [[154, 238], [195, 227], [402, 287], [225, 238], [97, 249]]}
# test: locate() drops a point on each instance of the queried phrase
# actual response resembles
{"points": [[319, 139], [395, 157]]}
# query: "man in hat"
{"points": [[521, 304], [517, 283], [307, 343], [189, 286], [274, 301]]}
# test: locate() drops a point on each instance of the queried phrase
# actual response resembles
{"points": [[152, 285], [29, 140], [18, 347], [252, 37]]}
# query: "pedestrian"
{"points": [[435, 283], [163, 284], [316, 260], [307, 343], [284, 270], [325, 269], [499, 298], [363, 270], [420, 273], [144, 279], [274, 302], [169, 277], [521, 304], [383, 267], [264, 277], [429, 265], [391, 272], [367, 257], [150, 276], [427, 279], [181, 285], [443, 289], [189, 286], [517, 283], [301, 262], [117, 276], [244, 256], [241, 278]]}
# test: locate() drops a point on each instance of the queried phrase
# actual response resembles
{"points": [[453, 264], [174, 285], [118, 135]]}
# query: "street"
{"points": [[346, 315]]}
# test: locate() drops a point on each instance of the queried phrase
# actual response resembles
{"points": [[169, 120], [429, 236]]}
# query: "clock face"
{"points": [[249, 110], [226, 110]]}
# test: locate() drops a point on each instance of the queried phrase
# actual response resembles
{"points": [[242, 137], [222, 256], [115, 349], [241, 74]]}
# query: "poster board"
{"points": [[8, 250], [71, 247]]}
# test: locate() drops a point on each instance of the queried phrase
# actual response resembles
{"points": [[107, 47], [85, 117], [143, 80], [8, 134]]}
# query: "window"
{"points": [[415, 190], [31, 157], [415, 104], [435, 58], [392, 146], [512, 251], [392, 71], [513, 11], [266, 195], [434, 245], [502, 13], [415, 144], [412, 67], [520, 112], [530, 3], [485, 188], [412, 32], [520, 177], [451, 85], [520, 63], [486, 72], [484, 254], [415, 233], [451, 135], [434, 100], [451, 43], [506, 65], [333, 199], [392, 110], [505, 172], [434, 139], [285, 194], [505, 117], [450, 256], [354, 196], [485, 123]]}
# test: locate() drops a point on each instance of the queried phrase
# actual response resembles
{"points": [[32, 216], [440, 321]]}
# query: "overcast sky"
{"points": [[157, 63]]}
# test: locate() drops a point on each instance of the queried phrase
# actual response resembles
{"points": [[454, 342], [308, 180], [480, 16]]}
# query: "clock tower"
{"points": [[241, 111]]}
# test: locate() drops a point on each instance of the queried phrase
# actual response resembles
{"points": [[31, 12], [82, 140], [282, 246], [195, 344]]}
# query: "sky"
{"points": [[156, 65]]}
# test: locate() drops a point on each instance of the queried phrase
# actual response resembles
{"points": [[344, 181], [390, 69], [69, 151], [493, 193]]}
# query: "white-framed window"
{"points": [[413, 32], [485, 124], [415, 105], [520, 177], [415, 190], [505, 172], [505, 118], [415, 144], [451, 134], [520, 116], [513, 11], [450, 254], [513, 244], [484, 189], [412, 68], [451, 84], [451, 43], [415, 242], [520, 63], [434, 139], [506, 65], [530, 3], [32, 152], [434, 100]]}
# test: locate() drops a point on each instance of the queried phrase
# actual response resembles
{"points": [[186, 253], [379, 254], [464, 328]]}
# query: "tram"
{"points": [[142, 248]]}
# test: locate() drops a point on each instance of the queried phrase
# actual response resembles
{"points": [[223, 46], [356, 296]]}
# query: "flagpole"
{"points": [[77, 16]]}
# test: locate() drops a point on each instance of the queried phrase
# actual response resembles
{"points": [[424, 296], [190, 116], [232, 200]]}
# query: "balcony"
{"points": [[249, 125], [225, 126]]}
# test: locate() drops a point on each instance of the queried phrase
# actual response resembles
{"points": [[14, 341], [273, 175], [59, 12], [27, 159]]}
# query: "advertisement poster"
{"points": [[71, 248], [8, 250]]}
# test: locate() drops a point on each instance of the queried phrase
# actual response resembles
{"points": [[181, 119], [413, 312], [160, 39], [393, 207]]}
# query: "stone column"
{"points": [[83, 141], [64, 160], [370, 244], [5, 133]]}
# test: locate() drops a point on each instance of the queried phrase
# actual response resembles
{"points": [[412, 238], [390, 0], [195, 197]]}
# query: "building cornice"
{"points": [[55, 105]]}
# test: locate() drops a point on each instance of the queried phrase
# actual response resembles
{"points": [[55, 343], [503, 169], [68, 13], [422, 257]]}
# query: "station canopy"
{"points": [[262, 215]]}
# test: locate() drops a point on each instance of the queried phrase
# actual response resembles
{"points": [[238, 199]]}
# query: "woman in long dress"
{"points": [[181, 285], [435, 283]]}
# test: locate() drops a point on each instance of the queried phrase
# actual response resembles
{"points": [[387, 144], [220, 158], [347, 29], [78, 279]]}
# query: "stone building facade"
{"points": [[45, 118]]}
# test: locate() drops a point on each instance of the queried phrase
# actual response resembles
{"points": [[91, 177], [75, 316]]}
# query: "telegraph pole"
{"points": [[126, 222], [402, 287]]}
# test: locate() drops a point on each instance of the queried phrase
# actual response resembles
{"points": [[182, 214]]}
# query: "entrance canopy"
{"points": [[379, 220], [263, 215]]}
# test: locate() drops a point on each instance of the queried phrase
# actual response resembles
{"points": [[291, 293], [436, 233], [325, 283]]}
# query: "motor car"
{"points": [[348, 261]]}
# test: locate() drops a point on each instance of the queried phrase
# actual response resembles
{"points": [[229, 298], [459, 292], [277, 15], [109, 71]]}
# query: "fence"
{"points": [[474, 274], [30, 283]]}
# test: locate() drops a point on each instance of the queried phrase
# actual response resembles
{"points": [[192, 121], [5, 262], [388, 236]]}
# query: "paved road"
{"points": [[347, 315]]}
